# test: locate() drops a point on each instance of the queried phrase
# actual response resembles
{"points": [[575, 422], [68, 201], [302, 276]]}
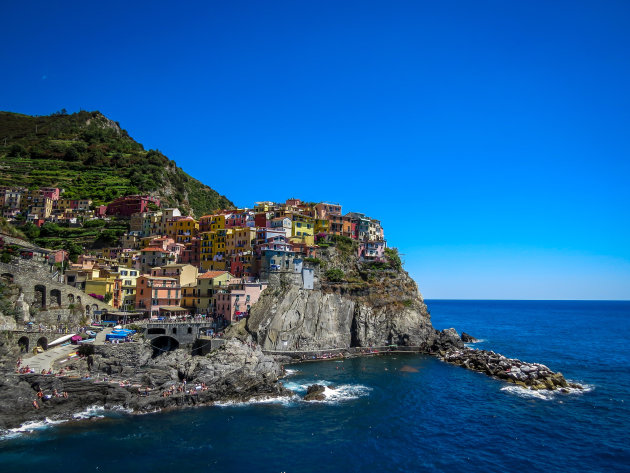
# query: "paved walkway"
{"points": [[44, 361], [100, 336]]}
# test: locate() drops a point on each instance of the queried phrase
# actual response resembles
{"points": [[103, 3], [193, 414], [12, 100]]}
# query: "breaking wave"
{"points": [[29, 427], [333, 393], [544, 394]]}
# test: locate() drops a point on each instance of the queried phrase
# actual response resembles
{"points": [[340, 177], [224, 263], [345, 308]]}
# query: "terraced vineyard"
{"points": [[91, 157]]}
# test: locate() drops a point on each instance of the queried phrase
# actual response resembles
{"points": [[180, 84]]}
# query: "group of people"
{"points": [[19, 369], [41, 396], [182, 388], [323, 356]]}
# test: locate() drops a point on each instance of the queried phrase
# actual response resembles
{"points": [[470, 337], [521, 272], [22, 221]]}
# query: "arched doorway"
{"points": [[55, 297], [42, 342], [23, 343], [40, 296]]}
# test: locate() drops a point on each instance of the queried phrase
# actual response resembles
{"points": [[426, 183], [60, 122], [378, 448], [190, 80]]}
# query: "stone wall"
{"points": [[45, 300], [184, 333]]}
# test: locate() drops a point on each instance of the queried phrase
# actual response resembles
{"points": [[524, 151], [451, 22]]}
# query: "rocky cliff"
{"points": [[372, 305]]}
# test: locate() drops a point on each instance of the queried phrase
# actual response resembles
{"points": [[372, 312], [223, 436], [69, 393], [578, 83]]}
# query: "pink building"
{"points": [[234, 303], [100, 211], [240, 218], [372, 250], [57, 256], [152, 293], [51, 192], [324, 210]]}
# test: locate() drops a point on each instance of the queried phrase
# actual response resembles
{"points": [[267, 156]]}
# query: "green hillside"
{"points": [[91, 157]]}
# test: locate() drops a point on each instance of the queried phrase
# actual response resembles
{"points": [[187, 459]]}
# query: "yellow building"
{"points": [[302, 229], [128, 278], [128, 258], [217, 222], [264, 206], [321, 226], [185, 230], [239, 240], [106, 285], [199, 295], [213, 250]]}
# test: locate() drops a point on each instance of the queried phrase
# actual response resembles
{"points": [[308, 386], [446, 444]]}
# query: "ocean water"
{"points": [[391, 413]]}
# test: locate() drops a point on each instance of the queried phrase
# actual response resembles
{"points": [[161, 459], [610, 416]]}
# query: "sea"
{"points": [[399, 412]]}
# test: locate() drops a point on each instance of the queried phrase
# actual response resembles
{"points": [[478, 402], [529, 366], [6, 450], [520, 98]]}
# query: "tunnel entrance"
{"points": [[23, 343], [163, 344], [43, 342]]}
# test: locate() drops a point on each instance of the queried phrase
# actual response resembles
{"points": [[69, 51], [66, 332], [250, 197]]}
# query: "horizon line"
{"points": [[527, 300]]}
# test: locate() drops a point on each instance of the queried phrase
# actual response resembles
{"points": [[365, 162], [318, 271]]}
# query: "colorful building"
{"points": [[199, 296], [372, 250], [234, 301], [154, 256], [102, 286], [131, 204], [184, 273], [154, 292]]}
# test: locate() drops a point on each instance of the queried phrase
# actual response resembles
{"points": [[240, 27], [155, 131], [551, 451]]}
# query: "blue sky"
{"points": [[490, 137]]}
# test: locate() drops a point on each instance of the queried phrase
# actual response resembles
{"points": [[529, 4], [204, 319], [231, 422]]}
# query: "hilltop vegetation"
{"points": [[91, 157]]}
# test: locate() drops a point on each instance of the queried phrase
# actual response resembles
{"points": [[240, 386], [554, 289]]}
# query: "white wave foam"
{"points": [[544, 394], [285, 400], [90, 412], [29, 427], [345, 392], [290, 372], [337, 393], [99, 412]]}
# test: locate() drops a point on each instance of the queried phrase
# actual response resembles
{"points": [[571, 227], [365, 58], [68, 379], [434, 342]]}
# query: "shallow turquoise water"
{"points": [[429, 416]]}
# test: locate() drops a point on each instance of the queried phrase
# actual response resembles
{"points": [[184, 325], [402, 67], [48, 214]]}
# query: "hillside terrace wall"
{"points": [[53, 300]]}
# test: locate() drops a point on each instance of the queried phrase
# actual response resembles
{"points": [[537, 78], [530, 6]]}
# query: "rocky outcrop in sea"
{"points": [[527, 375]]}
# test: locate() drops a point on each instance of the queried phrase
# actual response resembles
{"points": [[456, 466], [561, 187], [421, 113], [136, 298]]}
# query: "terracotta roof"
{"points": [[211, 274]]}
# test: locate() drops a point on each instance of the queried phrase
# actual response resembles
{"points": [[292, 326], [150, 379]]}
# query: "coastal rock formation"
{"points": [[315, 392], [370, 308], [527, 375], [468, 338], [131, 378]]}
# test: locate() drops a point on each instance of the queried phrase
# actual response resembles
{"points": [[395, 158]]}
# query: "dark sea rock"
{"points": [[315, 392], [468, 338], [445, 340], [530, 375]]}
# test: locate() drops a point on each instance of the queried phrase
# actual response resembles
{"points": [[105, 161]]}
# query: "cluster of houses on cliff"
{"points": [[169, 264], [47, 204]]}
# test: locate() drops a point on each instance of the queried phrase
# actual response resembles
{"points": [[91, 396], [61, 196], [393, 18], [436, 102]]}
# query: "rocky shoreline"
{"points": [[128, 377], [132, 378], [533, 376]]}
